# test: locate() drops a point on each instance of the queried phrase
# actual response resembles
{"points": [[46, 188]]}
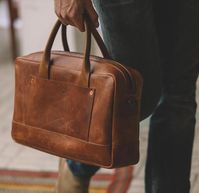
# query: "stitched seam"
{"points": [[69, 157], [90, 118], [58, 134], [77, 56]]}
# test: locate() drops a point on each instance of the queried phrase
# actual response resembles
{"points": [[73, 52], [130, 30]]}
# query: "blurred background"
{"points": [[24, 28]]}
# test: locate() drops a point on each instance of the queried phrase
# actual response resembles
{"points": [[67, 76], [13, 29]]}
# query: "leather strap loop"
{"points": [[64, 39], [95, 34], [44, 69]]}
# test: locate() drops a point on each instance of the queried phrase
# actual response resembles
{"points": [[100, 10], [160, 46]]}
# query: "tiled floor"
{"points": [[14, 156]]}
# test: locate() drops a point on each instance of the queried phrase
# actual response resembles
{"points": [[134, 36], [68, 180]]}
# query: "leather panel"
{"points": [[109, 117], [61, 111], [63, 145]]}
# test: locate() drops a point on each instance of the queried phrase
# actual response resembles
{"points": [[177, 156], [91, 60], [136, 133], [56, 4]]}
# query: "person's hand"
{"points": [[71, 12]]}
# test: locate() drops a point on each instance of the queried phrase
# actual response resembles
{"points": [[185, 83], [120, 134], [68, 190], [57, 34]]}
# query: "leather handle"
{"points": [[95, 34], [45, 63], [64, 38], [44, 69]]}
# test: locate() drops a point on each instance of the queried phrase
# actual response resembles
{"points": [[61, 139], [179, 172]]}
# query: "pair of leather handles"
{"points": [[44, 68]]}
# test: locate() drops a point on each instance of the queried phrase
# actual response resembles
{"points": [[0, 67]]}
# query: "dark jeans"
{"points": [[160, 38]]}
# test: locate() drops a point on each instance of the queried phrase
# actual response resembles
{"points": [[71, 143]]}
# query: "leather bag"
{"points": [[77, 106]]}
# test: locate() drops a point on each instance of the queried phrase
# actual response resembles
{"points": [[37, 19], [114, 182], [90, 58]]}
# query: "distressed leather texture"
{"points": [[95, 123]]}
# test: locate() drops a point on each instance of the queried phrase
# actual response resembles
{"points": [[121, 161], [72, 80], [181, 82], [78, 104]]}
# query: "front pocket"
{"points": [[59, 107], [116, 2]]}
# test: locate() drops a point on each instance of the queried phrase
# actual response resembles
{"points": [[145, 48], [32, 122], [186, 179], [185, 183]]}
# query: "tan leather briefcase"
{"points": [[77, 106]]}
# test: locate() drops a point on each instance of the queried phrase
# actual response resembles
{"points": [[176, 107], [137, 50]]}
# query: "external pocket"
{"points": [[116, 2], [59, 107]]}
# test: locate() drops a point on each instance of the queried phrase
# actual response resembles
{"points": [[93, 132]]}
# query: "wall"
{"points": [[38, 17]]}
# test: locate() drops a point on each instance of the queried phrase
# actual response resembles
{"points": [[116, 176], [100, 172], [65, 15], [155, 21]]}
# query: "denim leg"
{"points": [[130, 35], [172, 124], [171, 140], [82, 170]]}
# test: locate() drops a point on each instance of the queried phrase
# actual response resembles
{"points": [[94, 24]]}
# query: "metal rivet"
{"points": [[32, 80], [91, 92]]}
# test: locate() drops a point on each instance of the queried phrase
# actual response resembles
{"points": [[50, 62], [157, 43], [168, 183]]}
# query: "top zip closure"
{"points": [[125, 71]]}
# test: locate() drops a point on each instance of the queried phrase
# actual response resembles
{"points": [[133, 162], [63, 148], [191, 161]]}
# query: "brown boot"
{"points": [[68, 183]]}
